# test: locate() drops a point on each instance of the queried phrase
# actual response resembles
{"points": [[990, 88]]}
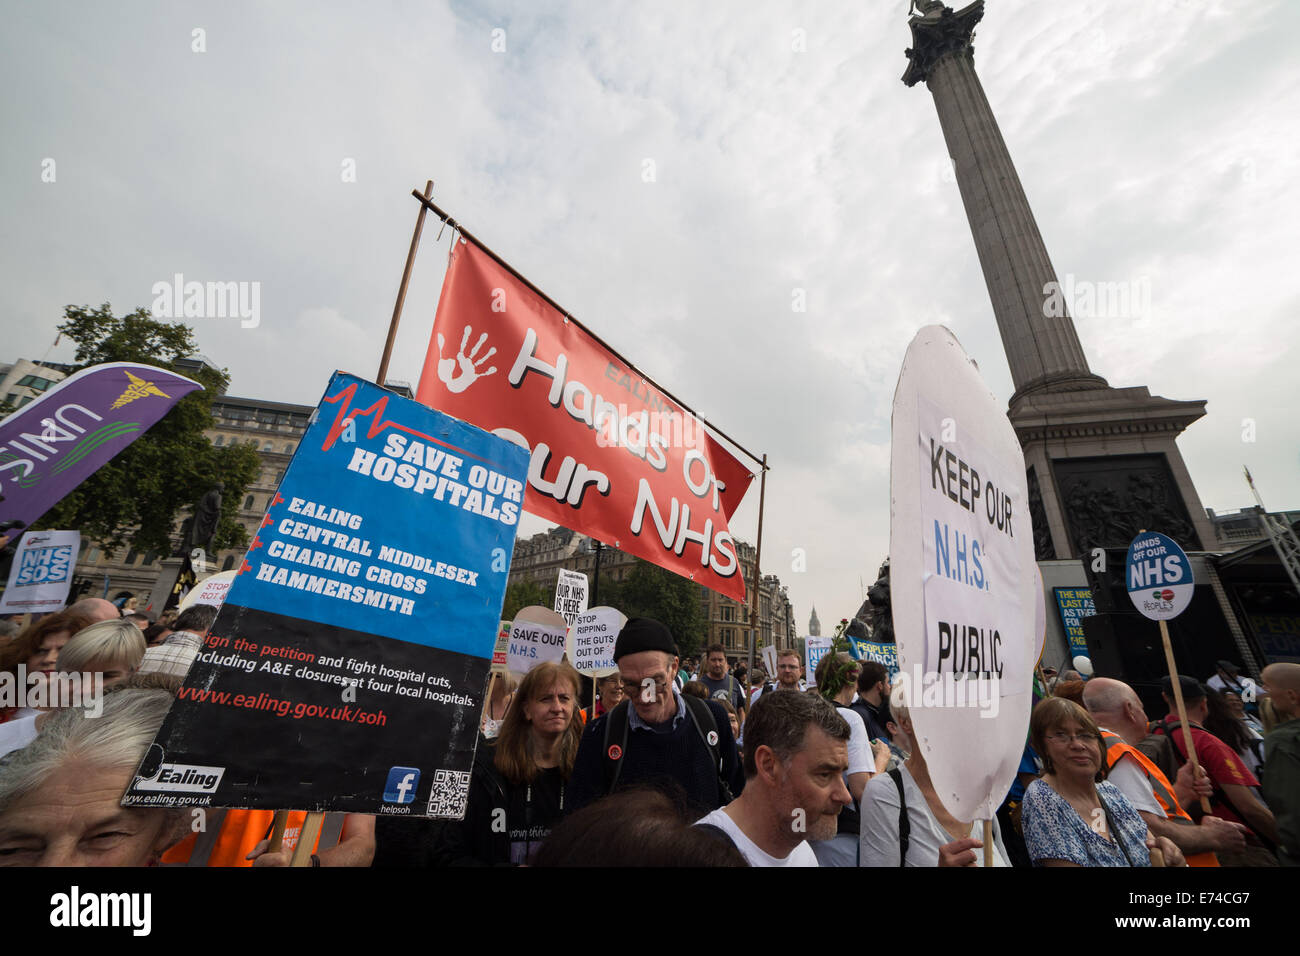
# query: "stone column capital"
{"points": [[938, 32]]}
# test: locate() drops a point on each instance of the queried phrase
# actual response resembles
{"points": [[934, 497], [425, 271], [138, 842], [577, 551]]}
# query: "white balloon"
{"points": [[1083, 664]]}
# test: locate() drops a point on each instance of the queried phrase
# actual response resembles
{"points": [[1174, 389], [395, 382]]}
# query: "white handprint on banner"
{"points": [[458, 379]]}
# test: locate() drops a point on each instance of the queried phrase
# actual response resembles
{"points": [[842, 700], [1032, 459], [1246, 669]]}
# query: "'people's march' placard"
{"points": [[346, 668]]}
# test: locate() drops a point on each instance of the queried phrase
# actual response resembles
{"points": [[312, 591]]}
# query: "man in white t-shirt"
{"points": [[837, 681], [933, 836], [796, 753]]}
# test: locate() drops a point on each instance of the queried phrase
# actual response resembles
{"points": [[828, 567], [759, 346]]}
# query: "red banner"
{"points": [[612, 457]]}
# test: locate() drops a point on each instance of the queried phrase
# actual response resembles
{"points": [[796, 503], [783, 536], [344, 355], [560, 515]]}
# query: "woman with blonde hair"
{"points": [[516, 792], [113, 648]]}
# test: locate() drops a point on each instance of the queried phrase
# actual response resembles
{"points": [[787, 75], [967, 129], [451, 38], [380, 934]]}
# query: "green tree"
{"points": [[135, 498], [652, 591], [525, 593]]}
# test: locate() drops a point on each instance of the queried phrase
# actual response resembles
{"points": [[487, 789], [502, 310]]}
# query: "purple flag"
{"points": [[56, 442]]}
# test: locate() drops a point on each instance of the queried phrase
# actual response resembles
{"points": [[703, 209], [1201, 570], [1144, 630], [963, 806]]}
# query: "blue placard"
{"points": [[392, 519], [1075, 604], [347, 667], [886, 654], [1158, 576]]}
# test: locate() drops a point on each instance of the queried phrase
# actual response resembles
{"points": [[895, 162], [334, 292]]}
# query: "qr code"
{"points": [[449, 794]]}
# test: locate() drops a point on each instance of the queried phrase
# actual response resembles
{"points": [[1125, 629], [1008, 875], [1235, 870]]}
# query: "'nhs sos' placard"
{"points": [[1158, 576]]}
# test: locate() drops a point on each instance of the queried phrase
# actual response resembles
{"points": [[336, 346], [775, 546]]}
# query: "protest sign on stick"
{"points": [[591, 644], [41, 572], [570, 595], [211, 590], [499, 651], [537, 634], [886, 654], [591, 640], [814, 649], [345, 670], [961, 573], [1159, 581]]}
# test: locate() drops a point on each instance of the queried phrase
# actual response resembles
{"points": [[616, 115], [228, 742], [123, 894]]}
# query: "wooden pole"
{"points": [[277, 831], [307, 839], [401, 291], [758, 573], [1182, 711], [988, 842], [492, 686]]}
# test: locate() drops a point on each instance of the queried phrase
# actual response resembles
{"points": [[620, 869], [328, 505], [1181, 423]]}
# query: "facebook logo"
{"points": [[401, 785]]}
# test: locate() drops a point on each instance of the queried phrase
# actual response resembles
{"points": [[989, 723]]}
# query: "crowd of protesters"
{"points": [[674, 766]]}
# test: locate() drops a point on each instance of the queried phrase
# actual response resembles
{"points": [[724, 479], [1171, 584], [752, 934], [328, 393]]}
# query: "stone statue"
{"points": [[1043, 547], [207, 513], [882, 619]]}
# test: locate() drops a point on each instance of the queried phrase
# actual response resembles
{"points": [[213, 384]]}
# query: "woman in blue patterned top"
{"points": [[1070, 816]]}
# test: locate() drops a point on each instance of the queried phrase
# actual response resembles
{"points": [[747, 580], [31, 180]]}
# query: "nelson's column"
{"points": [[1102, 462]]}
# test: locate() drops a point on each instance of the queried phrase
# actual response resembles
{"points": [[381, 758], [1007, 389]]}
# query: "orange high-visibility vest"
{"points": [[1116, 749], [241, 831]]}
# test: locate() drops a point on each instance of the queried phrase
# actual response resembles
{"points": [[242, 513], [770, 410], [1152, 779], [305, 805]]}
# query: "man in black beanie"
{"points": [[656, 737]]}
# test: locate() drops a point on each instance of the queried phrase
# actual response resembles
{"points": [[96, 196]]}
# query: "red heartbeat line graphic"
{"points": [[377, 424]]}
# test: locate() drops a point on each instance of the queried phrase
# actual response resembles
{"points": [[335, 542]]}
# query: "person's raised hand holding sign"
{"points": [[960, 852]]}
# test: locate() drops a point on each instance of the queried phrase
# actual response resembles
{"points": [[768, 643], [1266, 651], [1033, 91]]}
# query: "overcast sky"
{"points": [[1157, 143]]}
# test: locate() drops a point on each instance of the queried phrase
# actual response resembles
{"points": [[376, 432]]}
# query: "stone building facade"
{"points": [[274, 428]]}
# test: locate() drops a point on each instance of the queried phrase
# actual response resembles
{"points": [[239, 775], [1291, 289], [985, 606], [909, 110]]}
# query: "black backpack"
{"points": [[616, 730]]}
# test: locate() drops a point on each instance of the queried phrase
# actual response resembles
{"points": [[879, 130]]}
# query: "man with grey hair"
{"points": [[1118, 711], [796, 753], [175, 654], [97, 609], [60, 796]]}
